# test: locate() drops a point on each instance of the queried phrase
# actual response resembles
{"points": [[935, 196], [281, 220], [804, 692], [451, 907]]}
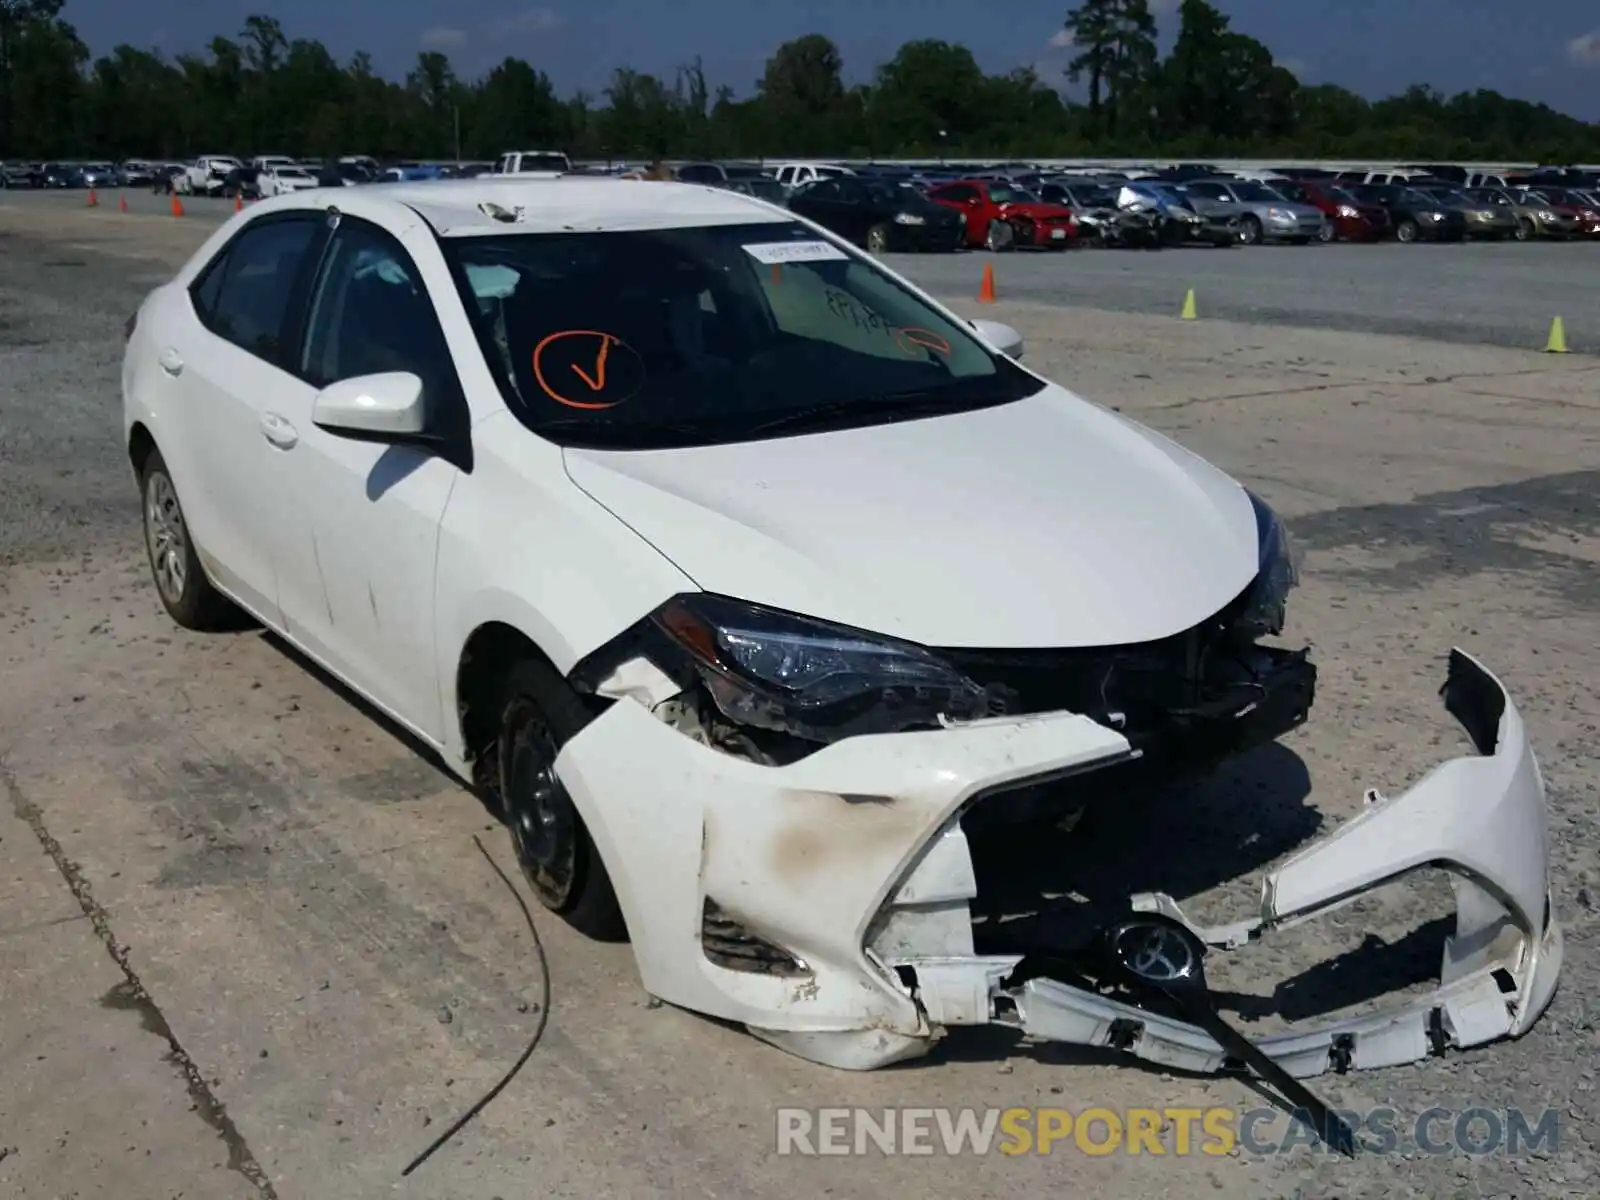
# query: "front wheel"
{"points": [[1250, 231], [180, 580], [1000, 237], [1525, 230], [878, 239], [1406, 230], [539, 713], [1328, 234]]}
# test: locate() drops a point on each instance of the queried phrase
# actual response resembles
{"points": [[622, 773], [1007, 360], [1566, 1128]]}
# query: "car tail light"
{"points": [[129, 326]]}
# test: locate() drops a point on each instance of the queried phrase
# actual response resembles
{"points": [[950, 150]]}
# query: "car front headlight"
{"points": [[1280, 214], [1547, 215], [1347, 211], [813, 679], [905, 218], [1436, 216], [1277, 574]]}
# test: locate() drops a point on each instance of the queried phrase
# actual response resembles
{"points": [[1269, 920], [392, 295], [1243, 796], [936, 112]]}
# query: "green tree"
{"points": [[1091, 26]]}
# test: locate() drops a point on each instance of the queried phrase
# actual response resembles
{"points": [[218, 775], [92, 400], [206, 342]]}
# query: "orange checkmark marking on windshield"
{"points": [[598, 379]]}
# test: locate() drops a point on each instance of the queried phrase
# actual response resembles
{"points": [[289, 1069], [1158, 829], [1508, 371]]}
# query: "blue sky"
{"points": [[1545, 50]]}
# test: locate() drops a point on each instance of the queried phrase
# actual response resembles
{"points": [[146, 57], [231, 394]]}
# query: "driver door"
{"points": [[358, 586]]}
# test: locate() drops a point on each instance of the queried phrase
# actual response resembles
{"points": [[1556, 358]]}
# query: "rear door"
{"points": [[222, 360]]}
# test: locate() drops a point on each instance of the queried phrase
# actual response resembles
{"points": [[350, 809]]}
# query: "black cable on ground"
{"points": [[533, 1042]]}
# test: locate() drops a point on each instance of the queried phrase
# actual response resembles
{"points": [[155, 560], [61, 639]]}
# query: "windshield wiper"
{"points": [[925, 403]]}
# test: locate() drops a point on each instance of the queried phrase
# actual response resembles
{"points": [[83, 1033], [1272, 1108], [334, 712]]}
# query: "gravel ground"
{"points": [[311, 970]]}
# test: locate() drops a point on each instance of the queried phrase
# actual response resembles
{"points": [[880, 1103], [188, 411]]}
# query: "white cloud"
{"points": [[1585, 50], [1061, 39], [440, 38], [527, 23]]}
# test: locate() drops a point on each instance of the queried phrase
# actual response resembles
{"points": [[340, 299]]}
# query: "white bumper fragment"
{"points": [[853, 861]]}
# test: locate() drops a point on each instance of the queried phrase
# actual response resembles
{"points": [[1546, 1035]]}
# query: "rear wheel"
{"points": [[180, 580], [878, 239], [539, 713]]}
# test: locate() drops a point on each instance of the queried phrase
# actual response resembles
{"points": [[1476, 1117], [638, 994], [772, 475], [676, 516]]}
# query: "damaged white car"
{"points": [[747, 578]]}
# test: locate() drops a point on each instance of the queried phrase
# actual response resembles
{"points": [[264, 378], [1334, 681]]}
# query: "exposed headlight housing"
{"points": [[813, 679], [1547, 215], [1348, 211], [1267, 607], [906, 218], [1280, 214]]}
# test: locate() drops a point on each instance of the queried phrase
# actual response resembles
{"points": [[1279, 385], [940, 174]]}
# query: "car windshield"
{"points": [[1341, 195], [1093, 197], [1489, 196], [1416, 196], [1563, 196], [1006, 194], [1255, 193], [723, 333], [886, 194], [1290, 190]]}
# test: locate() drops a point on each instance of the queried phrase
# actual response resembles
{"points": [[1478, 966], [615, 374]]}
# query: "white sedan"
{"points": [[746, 578], [281, 180]]}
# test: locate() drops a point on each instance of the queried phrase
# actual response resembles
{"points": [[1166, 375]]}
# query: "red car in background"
{"points": [[1000, 216], [1349, 219], [1573, 202]]}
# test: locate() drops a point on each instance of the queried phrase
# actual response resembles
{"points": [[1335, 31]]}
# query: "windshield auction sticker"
{"points": [[793, 252]]}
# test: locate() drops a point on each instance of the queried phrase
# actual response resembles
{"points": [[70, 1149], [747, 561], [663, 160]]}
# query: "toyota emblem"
{"points": [[1155, 951]]}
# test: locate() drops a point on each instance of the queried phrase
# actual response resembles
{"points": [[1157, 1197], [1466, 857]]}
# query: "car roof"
{"points": [[455, 207]]}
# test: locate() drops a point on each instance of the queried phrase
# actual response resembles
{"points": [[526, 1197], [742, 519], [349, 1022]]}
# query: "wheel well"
{"points": [[485, 659], [140, 447]]}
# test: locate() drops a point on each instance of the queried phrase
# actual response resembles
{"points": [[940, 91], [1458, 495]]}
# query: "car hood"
{"points": [[1048, 522]]}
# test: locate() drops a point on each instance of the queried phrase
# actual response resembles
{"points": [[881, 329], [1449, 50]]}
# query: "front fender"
{"points": [[524, 546]]}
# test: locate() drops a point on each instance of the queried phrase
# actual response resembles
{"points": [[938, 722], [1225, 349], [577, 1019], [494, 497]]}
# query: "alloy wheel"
{"points": [[167, 536]]}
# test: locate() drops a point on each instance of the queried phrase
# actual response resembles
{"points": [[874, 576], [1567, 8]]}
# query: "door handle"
{"points": [[171, 361], [278, 431]]}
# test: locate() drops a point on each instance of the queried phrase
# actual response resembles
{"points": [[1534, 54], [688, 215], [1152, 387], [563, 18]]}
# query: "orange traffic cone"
{"points": [[92, 201], [986, 292], [177, 205], [122, 204], [238, 202]]}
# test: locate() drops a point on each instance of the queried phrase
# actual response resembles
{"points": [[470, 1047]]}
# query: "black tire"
{"points": [[1525, 230], [186, 593], [1250, 230], [878, 239], [539, 713], [1405, 230], [999, 237], [1328, 234]]}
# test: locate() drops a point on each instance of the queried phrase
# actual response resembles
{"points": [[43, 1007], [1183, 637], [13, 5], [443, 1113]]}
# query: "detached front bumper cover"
{"points": [[1480, 818]]}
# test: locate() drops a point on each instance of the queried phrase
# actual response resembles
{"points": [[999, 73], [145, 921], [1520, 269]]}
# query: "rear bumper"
{"points": [[853, 863]]}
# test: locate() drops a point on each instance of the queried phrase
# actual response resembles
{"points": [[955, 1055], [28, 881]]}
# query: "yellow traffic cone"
{"points": [[1558, 338], [1188, 307]]}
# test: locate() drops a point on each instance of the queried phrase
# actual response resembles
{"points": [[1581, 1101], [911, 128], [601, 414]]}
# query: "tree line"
{"points": [[1218, 92]]}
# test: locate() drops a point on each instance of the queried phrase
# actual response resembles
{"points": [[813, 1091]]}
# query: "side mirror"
{"points": [[1002, 337], [376, 406]]}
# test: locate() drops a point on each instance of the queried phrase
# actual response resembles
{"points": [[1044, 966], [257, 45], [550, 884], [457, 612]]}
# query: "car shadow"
{"points": [[1052, 887]]}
